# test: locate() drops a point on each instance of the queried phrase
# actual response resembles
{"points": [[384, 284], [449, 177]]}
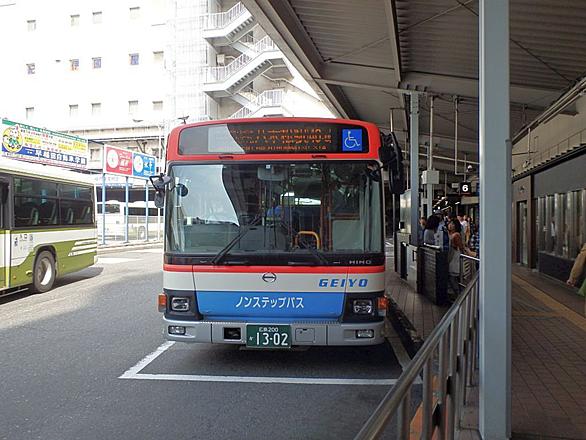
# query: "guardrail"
{"points": [[468, 268], [220, 20], [446, 361], [220, 73], [573, 141]]}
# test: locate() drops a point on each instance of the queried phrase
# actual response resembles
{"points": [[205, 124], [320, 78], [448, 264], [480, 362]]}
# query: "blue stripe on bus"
{"points": [[230, 304]]}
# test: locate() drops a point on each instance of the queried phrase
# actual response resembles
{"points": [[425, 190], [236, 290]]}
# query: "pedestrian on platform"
{"points": [[578, 270], [431, 226], [457, 248], [421, 230]]}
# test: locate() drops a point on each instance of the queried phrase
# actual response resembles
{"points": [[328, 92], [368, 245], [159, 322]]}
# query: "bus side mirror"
{"points": [[391, 156], [160, 183], [159, 200]]}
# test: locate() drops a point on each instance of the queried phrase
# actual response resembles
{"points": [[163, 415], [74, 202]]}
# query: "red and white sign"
{"points": [[117, 161]]}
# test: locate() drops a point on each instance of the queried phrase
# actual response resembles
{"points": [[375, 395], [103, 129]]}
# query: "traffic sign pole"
{"points": [[146, 210], [126, 212]]}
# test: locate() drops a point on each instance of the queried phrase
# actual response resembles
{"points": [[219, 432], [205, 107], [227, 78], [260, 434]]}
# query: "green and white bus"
{"points": [[47, 225]]}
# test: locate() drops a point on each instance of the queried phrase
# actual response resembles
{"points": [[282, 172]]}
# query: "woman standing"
{"points": [[455, 250]]}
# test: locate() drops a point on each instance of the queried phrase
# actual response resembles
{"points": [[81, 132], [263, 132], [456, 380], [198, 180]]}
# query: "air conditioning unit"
{"points": [[220, 59]]}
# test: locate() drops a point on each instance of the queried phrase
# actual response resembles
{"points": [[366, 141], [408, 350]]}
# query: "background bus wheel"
{"points": [[142, 233], [43, 272]]}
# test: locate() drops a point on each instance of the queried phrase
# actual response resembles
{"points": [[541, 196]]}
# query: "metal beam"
{"points": [[414, 165], [467, 87], [495, 222], [393, 31]]}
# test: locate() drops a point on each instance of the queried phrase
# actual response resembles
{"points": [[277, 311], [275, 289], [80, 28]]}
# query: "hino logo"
{"points": [[269, 277]]}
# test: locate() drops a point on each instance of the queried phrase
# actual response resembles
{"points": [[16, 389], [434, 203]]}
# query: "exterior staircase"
{"points": [[224, 81], [269, 101], [225, 28]]}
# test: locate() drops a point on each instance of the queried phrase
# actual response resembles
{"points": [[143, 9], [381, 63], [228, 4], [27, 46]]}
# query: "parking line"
{"points": [[134, 373]]}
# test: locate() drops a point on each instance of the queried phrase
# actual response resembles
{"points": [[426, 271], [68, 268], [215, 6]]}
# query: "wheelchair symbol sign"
{"points": [[352, 140]]}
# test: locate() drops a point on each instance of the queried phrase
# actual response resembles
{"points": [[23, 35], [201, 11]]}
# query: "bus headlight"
{"points": [[180, 304], [362, 306]]}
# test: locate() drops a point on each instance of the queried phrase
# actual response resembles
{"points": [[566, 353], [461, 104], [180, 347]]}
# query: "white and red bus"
{"points": [[274, 233]]}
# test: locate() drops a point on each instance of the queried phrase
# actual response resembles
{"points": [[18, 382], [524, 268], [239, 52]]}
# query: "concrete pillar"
{"points": [[495, 221], [414, 165]]}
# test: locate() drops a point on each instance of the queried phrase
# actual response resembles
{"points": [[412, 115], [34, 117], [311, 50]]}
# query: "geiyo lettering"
{"points": [[343, 282]]}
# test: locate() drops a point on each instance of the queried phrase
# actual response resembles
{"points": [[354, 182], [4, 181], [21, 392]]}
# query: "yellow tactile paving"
{"points": [[556, 307]]}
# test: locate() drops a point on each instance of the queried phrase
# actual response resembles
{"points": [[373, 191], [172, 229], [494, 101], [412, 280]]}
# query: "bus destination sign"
{"points": [[274, 138]]}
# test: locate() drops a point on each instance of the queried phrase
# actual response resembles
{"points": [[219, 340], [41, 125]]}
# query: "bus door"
{"points": [[4, 235]]}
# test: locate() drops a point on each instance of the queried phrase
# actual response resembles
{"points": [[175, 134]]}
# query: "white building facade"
{"points": [[125, 72]]}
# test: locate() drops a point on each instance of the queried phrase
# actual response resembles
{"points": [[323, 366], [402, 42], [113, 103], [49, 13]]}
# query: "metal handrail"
{"points": [[454, 343], [218, 20], [268, 98], [561, 147], [220, 73]]}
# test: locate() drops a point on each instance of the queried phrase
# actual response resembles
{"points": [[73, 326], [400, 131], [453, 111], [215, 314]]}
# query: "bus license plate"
{"points": [[268, 336]]}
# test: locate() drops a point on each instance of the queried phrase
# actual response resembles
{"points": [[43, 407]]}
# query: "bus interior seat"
{"points": [[27, 214], [86, 215], [47, 212], [69, 216]]}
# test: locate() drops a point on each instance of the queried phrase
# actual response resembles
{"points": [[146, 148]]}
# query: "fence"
{"points": [[222, 19], [446, 361], [220, 73], [268, 98]]}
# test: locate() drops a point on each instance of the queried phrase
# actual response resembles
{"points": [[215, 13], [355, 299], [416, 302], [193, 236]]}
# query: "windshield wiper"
{"points": [[319, 256], [224, 251]]}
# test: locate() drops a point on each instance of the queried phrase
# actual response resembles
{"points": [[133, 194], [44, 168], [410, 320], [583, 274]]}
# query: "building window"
{"points": [[29, 112], [30, 68], [74, 20], [97, 62], [158, 57], [95, 154], [74, 64], [97, 17], [133, 59], [157, 106], [132, 107], [31, 25], [73, 110], [96, 108], [134, 12]]}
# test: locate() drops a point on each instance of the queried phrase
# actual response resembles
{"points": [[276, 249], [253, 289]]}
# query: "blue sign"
{"points": [[143, 165], [231, 304], [352, 139]]}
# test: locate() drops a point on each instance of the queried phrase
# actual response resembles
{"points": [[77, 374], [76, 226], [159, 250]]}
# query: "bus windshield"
{"points": [[251, 209]]}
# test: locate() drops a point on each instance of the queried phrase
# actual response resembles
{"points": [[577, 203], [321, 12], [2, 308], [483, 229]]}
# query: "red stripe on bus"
{"points": [[275, 269]]}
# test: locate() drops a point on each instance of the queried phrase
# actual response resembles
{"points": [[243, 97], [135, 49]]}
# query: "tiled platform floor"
{"points": [[548, 353]]}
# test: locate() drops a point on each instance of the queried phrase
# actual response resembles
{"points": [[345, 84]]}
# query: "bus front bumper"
{"points": [[304, 333]]}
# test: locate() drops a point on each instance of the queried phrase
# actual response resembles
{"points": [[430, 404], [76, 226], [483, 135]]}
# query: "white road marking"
{"points": [[148, 251], [261, 379], [147, 359], [134, 373], [115, 260]]}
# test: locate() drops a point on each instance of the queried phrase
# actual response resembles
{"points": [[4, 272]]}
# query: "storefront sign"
{"points": [[127, 163], [33, 144]]}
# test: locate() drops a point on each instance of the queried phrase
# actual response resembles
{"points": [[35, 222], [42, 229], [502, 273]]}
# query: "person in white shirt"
{"points": [[464, 224]]}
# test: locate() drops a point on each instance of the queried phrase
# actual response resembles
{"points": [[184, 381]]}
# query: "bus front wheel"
{"points": [[43, 272]]}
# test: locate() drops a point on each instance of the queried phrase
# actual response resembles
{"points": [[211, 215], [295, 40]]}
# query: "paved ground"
{"points": [[549, 364], [63, 353]]}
